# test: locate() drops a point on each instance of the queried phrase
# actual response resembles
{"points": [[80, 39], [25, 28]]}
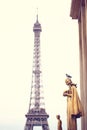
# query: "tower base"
{"points": [[36, 118]]}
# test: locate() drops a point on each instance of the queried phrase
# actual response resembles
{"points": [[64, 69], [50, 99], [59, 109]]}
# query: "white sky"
{"points": [[59, 55]]}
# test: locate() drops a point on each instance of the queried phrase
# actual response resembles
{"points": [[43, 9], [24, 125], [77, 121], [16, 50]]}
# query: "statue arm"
{"points": [[67, 93]]}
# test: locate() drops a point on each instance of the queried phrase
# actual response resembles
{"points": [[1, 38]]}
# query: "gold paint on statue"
{"points": [[74, 106], [59, 123]]}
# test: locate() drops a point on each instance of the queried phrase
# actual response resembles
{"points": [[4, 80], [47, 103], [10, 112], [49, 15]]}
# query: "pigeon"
{"points": [[68, 76]]}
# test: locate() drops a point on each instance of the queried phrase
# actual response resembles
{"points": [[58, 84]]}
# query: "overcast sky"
{"points": [[59, 55]]}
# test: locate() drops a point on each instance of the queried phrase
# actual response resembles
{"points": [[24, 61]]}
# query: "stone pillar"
{"points": [[83, 63], [81, 67]]}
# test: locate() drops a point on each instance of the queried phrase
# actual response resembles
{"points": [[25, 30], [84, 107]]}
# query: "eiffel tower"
{"points": [[36, 115]]}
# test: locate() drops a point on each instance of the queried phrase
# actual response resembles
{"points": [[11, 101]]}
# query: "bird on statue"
{"points": [[68, 76]]}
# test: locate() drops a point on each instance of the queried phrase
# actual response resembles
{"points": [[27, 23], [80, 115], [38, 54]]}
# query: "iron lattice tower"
{"points": [[36, 115]]}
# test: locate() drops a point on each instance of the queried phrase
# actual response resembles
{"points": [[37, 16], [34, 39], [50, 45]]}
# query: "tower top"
{"points": [[37, 15], [37, 25]]}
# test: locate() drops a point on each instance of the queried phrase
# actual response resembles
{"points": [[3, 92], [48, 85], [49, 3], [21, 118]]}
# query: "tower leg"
{"points": [[29, 127], [45, 127]]}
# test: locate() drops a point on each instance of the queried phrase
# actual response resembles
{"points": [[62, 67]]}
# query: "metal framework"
{"points": [[36, 115]]}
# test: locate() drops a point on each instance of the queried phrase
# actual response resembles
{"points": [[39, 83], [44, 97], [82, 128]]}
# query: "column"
{"points": [[83, 64]]}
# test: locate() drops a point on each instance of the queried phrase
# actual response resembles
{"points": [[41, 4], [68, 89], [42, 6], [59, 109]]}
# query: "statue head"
{"points": [[58, 116], [68, 81]]}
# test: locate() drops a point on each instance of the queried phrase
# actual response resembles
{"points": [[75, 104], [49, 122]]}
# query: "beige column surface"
{"points": [[82, 22]]}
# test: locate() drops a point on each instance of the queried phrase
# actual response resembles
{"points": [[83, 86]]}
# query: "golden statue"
{"points": [[59, 122], [74, 106]]}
